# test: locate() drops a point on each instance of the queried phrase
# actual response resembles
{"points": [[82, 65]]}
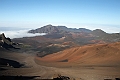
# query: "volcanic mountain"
{"points": [[80, 36], [100, 54], [57, 29], [58, 36]]}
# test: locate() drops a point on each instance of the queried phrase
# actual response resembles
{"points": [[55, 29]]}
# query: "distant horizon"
{"points": [[104, 27], [20, 32]]}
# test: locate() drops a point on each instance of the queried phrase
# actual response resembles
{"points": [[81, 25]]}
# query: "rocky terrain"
{"points": [[75, 54], [5, 42], [63, 36]]}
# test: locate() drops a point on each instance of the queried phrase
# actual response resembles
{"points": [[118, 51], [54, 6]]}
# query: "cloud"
{"points": [[104, 27], [20, 34]]}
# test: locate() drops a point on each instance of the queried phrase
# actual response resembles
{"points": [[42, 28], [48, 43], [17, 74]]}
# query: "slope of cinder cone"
{"points": [[97, 53]]}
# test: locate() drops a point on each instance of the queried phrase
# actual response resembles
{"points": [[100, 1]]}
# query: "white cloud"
{"points": [[20, 34], [106, 28]]}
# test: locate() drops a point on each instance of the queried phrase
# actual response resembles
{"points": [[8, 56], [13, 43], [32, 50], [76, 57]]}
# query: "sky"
{"points": [[90, 14]]}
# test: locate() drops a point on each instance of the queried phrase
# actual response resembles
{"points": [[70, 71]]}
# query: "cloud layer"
{"points": [[108, 29], [104, 27], [20, 34]]}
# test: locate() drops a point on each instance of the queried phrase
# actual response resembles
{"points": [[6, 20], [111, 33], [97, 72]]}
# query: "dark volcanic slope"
{"points": [[98, 34], [8, 62], [60, 29], [5, 43]]}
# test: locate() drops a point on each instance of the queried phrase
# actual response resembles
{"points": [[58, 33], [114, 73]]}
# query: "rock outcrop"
{"points": [[5, 43]]}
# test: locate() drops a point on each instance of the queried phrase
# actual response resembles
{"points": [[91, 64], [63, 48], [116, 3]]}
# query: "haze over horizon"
{"points": [[90, 14]]}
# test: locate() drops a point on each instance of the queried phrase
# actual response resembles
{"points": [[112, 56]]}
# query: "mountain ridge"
{"points": [[53, 29]]}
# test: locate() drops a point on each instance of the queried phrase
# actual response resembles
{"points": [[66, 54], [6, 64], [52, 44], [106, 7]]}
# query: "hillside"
{"points": [[99, 34], [107, 54]]}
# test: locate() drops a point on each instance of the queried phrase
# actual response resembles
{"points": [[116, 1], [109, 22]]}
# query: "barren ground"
{"points": [[34, 67]]}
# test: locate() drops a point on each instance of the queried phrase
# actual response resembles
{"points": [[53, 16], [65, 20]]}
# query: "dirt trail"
{"points": [[38, 70]]}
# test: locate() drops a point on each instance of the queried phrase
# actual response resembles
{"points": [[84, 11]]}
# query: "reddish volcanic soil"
{"points": [[102, 54], [90, 62]]}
